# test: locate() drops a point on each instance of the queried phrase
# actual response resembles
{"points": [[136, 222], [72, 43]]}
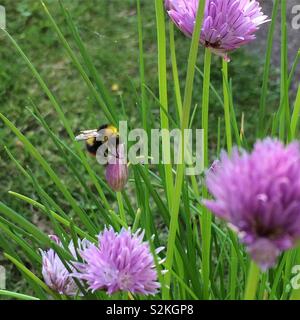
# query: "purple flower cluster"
{"points": [[56, 275], [120, 262], [227, 25], [258, 194]]}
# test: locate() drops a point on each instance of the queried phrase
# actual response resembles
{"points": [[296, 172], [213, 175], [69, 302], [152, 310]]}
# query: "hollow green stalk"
{"points": [[163, 97], [252, 282], [180, 168], [226, 106], [206, 215]]}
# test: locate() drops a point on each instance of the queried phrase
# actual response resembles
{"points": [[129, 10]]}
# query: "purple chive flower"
{"points": [[117, 170], [120, 262], [227, 25], [55, 274], [258, 194]]}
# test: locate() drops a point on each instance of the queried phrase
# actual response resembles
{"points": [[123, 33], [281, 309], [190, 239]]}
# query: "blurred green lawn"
{"points": [[109, 30]]}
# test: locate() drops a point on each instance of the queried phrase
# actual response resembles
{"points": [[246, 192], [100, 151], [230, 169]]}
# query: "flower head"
{"points": [[56, 275], [227, 24], [258, 194], [120, 262], [117, 169]]}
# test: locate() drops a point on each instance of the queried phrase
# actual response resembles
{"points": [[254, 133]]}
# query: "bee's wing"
{"points": [[87, 134]]}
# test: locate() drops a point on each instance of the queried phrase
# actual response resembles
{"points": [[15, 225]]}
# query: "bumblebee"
{"points": [[95, 138]]}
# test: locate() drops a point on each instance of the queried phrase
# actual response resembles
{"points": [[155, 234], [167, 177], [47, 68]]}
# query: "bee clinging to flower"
{"points": [[95, 138], [113, 153]]}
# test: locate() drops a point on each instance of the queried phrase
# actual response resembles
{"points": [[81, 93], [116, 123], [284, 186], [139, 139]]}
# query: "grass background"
{"points": [[109, 30]]}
